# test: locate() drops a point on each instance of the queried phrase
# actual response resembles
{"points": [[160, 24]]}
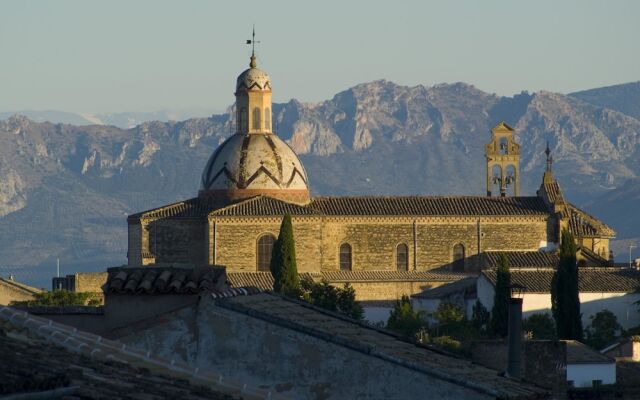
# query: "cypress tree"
{"points": [[565, 300], [283, 261], [502, 294]]}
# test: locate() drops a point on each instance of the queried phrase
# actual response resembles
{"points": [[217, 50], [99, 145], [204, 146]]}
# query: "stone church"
{"points": [[384, 246]]}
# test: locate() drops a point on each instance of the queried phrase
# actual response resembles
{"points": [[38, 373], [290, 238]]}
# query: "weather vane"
{"points": [[253, 41]]}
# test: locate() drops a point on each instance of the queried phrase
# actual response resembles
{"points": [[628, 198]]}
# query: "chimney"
{"points": [[514, 361]]}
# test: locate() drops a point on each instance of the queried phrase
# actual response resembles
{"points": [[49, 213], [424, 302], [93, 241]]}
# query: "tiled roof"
{"points": [[192, 208], [264, 205], [363, 205], [582, 224], [579, 353], [146, 280], [44, 359], [391, 276], [384, 345], [429, 205], [522, 259], [260, 280], [594, 280], [463, 285], [264, 280], [553, 191], [592, 258]]}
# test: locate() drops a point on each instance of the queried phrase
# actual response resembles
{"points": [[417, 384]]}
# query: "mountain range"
{"points": [[65, 190], [124, 120]]}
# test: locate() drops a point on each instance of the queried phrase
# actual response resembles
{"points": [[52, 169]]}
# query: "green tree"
{"points": [[502, 294], [448, 313], [565, 301], [604, 329], [60, 298], [403, 319], [283, 261], [541, 326], [452, 323], [347, 303], [324, 295], [480, 316]]}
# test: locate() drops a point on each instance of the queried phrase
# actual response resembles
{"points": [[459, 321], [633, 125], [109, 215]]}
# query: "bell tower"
{"points": [[503, 161]]}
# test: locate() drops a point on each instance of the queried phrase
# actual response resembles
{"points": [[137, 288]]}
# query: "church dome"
{"points": [[247, 165]]}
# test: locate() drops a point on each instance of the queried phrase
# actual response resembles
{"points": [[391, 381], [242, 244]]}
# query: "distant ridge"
{"points": [[624, 98]]}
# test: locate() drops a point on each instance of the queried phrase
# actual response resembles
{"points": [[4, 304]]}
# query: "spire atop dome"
{"points": [[252, 42]]}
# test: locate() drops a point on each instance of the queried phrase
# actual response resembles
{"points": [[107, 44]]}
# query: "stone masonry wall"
{"points": [[234, 243], [374, 240], [10, 293], [384, 291], [178, 241], [90, 281]]}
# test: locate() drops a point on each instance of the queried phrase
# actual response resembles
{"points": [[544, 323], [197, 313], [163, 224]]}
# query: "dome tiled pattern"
{"points": [[250, 164], [253, 79]]}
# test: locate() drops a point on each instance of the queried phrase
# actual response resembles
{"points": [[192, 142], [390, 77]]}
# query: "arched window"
{"points": [[243, 119], [458, 257], [256, 118], [345, 257], [267, 118], [265, 247], [402, 257]]}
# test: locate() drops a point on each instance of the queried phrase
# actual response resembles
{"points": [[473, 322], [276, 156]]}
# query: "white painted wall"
{"points": [[583, 375], [621, 304]]}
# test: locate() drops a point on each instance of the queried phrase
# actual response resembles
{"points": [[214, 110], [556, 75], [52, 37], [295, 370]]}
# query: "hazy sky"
{"points": [[105, 56]]}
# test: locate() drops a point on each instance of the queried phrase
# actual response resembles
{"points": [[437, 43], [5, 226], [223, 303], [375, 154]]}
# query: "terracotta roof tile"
{"points": [[522, 259], [391, 276], [264, 205], [147, 280], [260, 280], [582, 224], [192, 208], [429, 205], [593, 280], [553, 191], [363, 205], [264, 280]]}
